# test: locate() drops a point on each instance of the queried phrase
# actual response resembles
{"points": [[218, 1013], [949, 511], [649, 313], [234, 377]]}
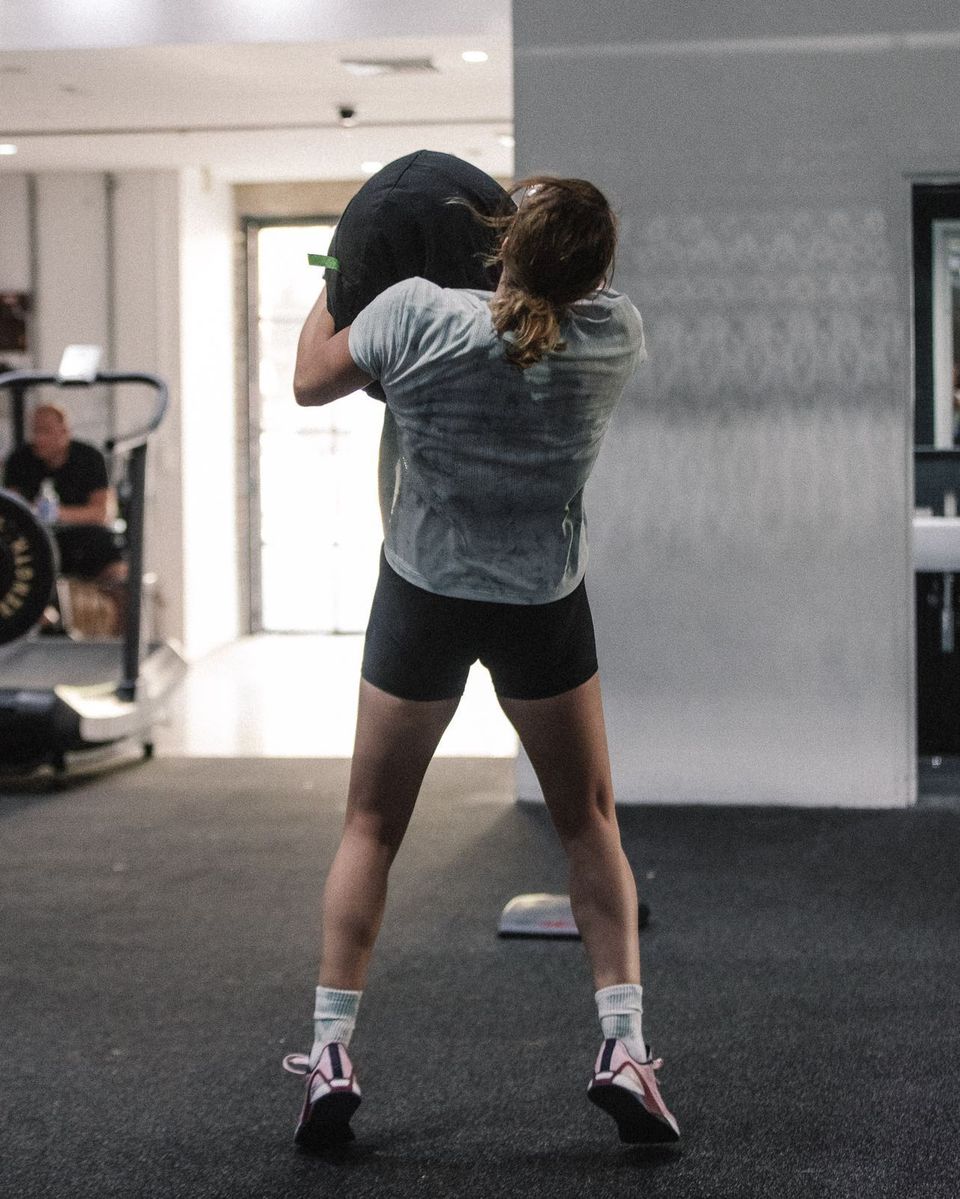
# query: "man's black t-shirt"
{"points": [[85, 550], [84, 472]]}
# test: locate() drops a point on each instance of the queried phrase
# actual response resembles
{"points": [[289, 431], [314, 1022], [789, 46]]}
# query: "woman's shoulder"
{"points": [[405, 289], [609, 312], [419, 302], [419, 288], [606, 301], [415, 294]]}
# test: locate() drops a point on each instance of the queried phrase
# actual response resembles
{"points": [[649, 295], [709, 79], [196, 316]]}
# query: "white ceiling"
{"points": [[253, 112], [75, 24]]}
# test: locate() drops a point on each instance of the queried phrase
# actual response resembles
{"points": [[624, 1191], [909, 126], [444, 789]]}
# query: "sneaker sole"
{"points": [[328, 1123], [635, 1124]]}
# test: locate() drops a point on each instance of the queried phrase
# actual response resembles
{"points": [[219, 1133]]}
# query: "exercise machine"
{"points": [[67, 703]]}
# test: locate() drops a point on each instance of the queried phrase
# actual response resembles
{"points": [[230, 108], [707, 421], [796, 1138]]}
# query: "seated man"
{"points": [[86, 542]]}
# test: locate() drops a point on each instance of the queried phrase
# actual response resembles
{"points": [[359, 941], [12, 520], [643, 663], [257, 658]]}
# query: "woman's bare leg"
{"points": [[395, 741], [566, 741]]}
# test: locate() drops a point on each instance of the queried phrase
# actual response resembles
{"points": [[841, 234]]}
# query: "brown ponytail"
{"points": [[554, 249], [532, 322]]}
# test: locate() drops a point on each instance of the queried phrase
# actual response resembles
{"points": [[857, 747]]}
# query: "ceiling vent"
{"points": [[387, 66]]}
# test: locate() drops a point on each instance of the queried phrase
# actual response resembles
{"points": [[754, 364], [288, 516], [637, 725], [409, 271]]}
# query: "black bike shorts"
{"points": [[421, 646]]}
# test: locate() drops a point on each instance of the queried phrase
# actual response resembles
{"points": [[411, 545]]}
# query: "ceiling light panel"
{"points": [[387, 66]]}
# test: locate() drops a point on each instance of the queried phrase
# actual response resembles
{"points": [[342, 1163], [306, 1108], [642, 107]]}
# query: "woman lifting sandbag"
{"points": [[499, 388]]}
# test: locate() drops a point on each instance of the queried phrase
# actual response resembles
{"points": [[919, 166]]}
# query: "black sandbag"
{"points": [[400, 225]]}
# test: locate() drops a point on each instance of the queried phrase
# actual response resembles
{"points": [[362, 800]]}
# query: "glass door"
{"points": [[315, 519]]}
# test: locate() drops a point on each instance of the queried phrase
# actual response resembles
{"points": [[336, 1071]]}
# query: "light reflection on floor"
{"points": [[295, 695]]}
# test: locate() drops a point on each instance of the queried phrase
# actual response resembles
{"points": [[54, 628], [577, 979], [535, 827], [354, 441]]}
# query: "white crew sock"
{"points": [[621, 1015], [334, 1018]]}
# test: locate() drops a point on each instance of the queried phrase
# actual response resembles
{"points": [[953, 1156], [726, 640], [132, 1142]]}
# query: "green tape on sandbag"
{"points": [[332, 264]]}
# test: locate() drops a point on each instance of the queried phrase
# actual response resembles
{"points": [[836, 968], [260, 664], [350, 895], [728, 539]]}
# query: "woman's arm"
{"points": [[324, 370]]}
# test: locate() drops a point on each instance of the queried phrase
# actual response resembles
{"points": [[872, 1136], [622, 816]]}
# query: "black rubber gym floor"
{"points": [[157, 958]]}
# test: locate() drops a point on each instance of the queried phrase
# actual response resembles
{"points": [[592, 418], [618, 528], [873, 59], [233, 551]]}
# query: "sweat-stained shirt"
{"points": [[483, 465]]}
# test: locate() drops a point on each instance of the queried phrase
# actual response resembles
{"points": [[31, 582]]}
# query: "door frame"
{"points": [[251, 556], [930, 202], [934, 470]]}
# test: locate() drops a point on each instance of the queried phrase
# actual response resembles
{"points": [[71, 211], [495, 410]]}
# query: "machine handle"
{"points": [[26, 379]]}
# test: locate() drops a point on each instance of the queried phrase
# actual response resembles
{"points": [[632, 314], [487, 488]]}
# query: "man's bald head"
{"points": [[50, 434]]}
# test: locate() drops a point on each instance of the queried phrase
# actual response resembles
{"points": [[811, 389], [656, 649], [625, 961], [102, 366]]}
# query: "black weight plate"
{"points": [[28, 567]]}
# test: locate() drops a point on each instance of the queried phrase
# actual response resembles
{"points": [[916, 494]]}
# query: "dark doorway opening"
{"points": [[936, 276]]}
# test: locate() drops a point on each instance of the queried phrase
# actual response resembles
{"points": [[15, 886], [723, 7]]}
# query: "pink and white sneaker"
{"points": [[333, 1095], [628, 1090]]}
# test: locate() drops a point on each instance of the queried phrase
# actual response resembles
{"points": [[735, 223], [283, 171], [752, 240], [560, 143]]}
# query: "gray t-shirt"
{"points": [[483, 465]]}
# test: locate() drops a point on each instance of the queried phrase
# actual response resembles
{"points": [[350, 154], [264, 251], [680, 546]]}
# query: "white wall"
{"points": [[147, 337], [167, 307], [14, 244], [46, 24], [70, 290], [750, 515], [211, 615], [71, 300]]}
